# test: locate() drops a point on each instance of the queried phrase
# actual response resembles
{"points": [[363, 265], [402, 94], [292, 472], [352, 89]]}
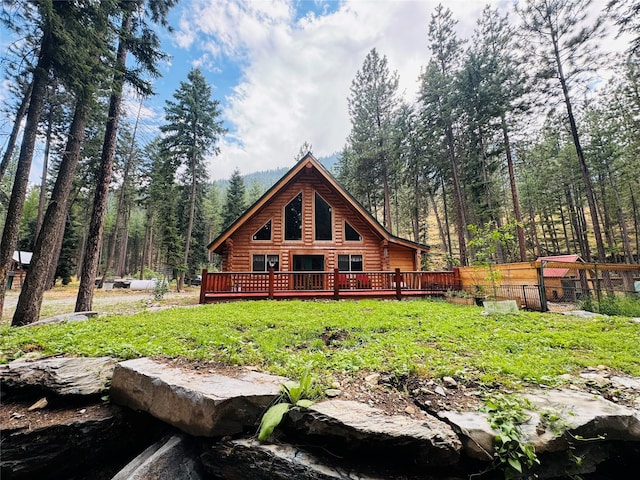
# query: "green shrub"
{"points": [[624, 306]]}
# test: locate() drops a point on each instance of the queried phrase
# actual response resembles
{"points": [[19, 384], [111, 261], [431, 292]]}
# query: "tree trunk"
{"points": [[441, 231], [11, 144], [461, 224], [20, 183], [42, 200], [584, 170], [514, 191], [626, 244], [192, 210], [84, 301], [32, 293]]}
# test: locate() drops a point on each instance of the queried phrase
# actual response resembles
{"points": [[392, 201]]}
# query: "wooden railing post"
{"points": [[398, 284], [271, 281], [336, 284], [203, 285]]}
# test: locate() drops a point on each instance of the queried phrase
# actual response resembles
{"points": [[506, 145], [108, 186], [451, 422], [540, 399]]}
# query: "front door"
{"points": [[308, 263]]}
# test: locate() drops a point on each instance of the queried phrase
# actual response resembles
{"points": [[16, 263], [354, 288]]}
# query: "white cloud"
{"points": [[296, 74]]}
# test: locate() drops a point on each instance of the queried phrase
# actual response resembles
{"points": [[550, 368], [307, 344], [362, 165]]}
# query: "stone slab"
{"points": [[201, 404], [60, 375], [357, 427]]}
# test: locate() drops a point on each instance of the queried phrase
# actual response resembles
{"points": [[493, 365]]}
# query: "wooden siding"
{"points": [[242, 247], [402, 258]]}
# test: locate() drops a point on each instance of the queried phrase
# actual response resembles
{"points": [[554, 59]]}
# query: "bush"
{"points": [[624, 306]]}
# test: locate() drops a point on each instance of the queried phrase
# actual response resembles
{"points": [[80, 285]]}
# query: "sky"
{"points": [[282, 69]]}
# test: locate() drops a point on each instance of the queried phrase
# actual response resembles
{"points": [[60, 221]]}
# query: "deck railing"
{"points": [[332, 284]]}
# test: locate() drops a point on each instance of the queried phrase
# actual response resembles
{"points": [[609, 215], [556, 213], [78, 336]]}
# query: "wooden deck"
{"points": [[330, 285]]}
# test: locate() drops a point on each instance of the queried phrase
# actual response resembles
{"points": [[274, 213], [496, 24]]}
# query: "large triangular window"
{"points": [[264, 233], [351, 234]]}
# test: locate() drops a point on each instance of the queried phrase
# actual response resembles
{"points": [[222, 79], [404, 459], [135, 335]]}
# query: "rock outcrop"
{"points": [[211, 420], [60, 375]]}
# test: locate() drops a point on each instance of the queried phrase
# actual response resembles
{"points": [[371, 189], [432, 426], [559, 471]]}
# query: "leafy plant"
{"points": [[161, 288], [511, 455], [293, 394]]}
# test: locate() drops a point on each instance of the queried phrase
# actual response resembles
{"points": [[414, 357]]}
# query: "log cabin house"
{"points": [[307, 236]]}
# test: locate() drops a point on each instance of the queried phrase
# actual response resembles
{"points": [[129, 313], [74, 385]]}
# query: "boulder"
{"points": [[201, 404], [60, 375], [171, 457], [358, 429]]}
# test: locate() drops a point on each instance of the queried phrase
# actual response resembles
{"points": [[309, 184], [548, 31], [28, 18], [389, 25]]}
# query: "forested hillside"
{"points": [[523, 134]]}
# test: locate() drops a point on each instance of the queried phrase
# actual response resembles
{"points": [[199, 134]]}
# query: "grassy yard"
{"points": [[421, 337]]}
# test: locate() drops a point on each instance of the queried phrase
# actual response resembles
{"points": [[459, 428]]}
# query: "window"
{"points": [[262, 263], [293, 219], [322, 219], [351, 234], [350, 263], [264, 233]]}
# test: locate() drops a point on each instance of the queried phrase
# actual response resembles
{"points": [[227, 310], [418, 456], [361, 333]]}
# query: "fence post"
{"points": [[541, 289], [398, 284], [203, 285], [271, 281], [336, 284], [597, 285]]}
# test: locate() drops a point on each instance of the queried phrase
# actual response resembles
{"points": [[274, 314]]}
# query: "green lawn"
{"points": [[422, 337]]}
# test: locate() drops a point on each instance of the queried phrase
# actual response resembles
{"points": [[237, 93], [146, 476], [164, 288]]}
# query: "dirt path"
{"points": [[61, 300]]}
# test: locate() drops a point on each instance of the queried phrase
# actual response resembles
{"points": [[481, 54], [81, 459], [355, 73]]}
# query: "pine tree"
{"points": [[193, 130], [235, 200], [567, 51], [373, 104], [438, 110]]}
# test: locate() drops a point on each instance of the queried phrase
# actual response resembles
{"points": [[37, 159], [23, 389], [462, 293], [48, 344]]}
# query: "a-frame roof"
{"points": [[309, 161]]}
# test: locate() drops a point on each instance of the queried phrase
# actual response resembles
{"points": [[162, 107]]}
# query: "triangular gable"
{"points": [[309, 161]]}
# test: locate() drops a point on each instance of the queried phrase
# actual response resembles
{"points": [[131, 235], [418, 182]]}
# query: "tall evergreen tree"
{"points": [[566, 50], [235, 200], [373, 104], [193, 130], [438, 104], [135, 36]]}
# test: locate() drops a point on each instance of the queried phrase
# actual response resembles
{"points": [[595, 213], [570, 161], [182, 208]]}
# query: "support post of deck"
{"points": [[271, 282], [398, 284], [203, 285], [336, 284]]}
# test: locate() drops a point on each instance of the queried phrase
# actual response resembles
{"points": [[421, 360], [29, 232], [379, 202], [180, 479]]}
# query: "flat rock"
{"points": [[356, 428], [60, 375], [590, 416], [208, 405], [172, 458], [65, 317]]}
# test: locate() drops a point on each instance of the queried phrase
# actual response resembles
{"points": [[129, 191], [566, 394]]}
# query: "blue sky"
{"points": [[282, 69]]}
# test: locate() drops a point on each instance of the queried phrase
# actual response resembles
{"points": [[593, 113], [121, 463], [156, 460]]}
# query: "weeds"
{"points": [[512, 455], [293, 394]]}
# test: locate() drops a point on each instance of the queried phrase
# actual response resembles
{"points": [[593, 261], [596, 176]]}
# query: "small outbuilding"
{"points": [[562, 282]]}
